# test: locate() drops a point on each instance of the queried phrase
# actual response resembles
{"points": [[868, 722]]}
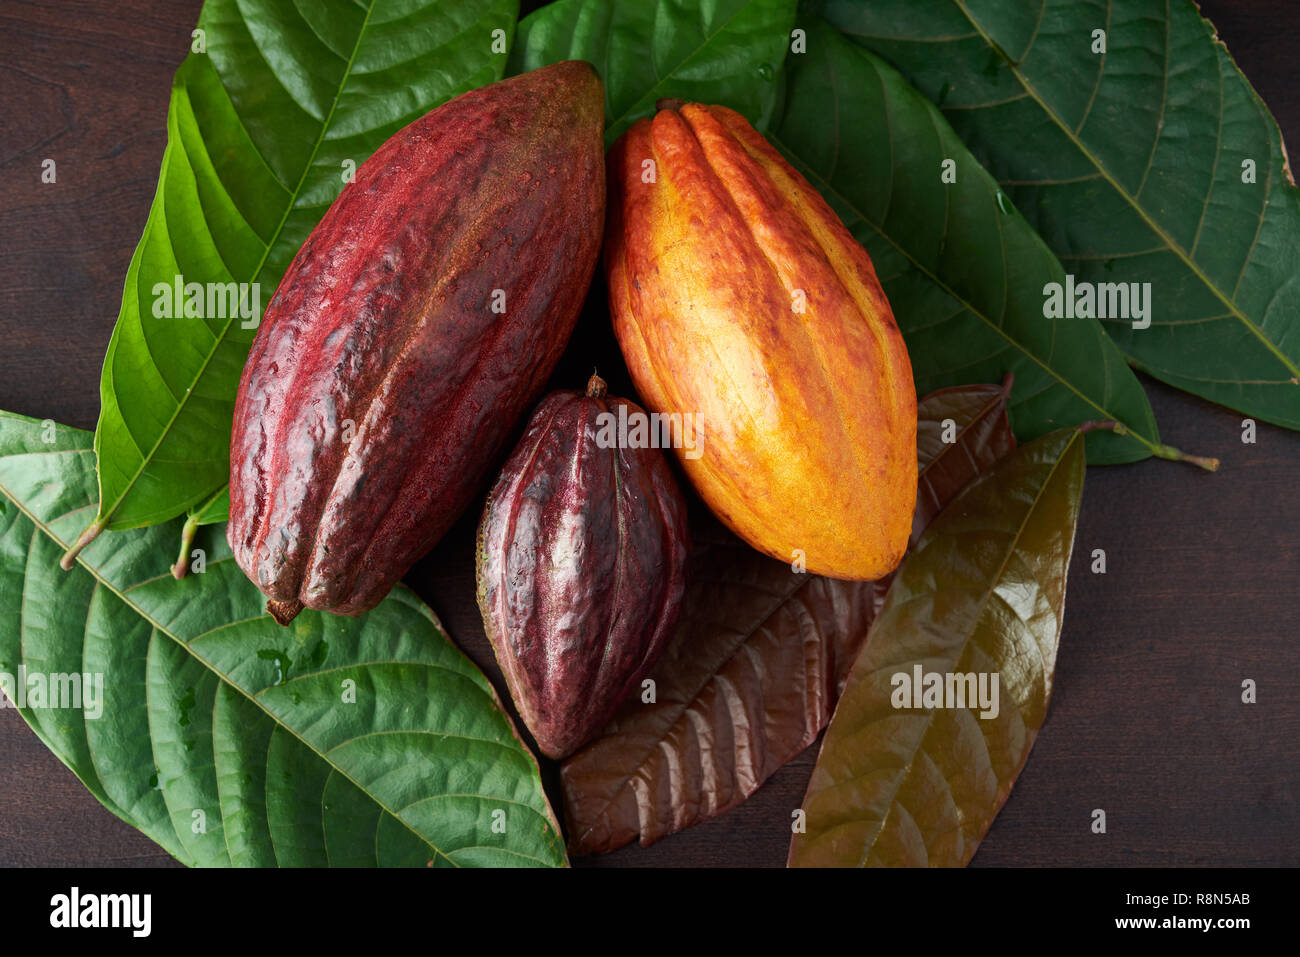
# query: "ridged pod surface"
{"points": [[581, 566], [739, 296], [416, 325]]}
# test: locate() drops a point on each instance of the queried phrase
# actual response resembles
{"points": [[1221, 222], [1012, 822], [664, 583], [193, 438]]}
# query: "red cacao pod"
{"points": [[739, 297], [581, 566], [416, 325]]}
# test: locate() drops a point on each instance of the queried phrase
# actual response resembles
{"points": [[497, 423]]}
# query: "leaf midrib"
{"points": [[1170, 244], [289, 207]]}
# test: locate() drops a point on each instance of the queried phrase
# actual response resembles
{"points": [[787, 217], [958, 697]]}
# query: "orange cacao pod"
{"points": [[739, 296]]}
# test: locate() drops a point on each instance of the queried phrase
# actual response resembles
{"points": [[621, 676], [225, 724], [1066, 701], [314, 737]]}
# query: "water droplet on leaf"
{"points": [[282, 663]]}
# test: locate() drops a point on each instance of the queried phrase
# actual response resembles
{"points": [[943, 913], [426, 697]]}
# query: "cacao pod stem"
{"points": [[596, 387], [284, 611]]}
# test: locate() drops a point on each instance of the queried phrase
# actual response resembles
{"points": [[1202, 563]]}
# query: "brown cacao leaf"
{"points": [[908, 781], [753, 672]]}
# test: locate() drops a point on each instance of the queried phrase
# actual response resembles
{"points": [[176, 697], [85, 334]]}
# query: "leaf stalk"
{"points": [[88, 535], [182, 566]]}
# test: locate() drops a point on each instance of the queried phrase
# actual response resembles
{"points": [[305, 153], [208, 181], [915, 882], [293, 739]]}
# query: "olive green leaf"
{"points": [[227, 739], [982, 596], [964, 272], [1131, 141], [274, 107], [724, 51]]}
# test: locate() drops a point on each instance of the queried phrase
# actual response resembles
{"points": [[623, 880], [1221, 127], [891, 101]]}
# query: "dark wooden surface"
{"points": [[1146, 721]]}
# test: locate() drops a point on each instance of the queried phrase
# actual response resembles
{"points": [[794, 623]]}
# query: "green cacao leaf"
{"points": [[751, 676], [1151, 162], [228, 739], [721, 51], [284, 100], [963, 270], [982, 594]]}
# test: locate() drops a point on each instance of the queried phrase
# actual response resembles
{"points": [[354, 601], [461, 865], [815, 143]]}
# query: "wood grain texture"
{"points": [[1146, 720]]}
